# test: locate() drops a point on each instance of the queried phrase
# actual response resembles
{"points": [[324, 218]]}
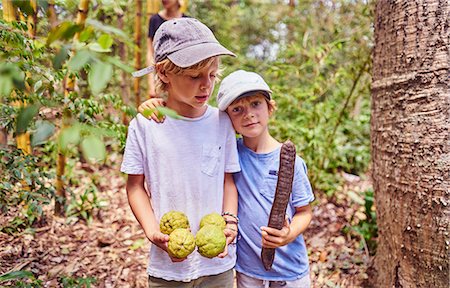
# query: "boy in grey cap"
{"points": [[184, 164], [247, 99]]}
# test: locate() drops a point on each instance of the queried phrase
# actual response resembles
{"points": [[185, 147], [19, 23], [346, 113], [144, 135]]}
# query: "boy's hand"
{"points": [[148, 109], [274, 238], [230, 233], [159, 239]]}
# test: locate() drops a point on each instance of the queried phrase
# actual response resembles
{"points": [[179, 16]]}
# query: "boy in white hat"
{"points": [[246, 98], [184, 164]]}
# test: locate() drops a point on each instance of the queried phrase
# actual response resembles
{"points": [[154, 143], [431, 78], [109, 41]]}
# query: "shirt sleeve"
{"points": [[302, 191], [132, 162], [231, 153], [153, 24]]}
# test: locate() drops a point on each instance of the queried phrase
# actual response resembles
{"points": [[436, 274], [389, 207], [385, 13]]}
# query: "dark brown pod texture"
{"points": [[282, 195]]}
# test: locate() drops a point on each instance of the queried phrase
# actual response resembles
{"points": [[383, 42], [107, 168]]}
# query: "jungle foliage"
{"points": [[315, 56]]}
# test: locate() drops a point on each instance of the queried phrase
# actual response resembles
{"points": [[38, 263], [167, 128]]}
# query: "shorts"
{"points": [[244, 281], [222, 280]]}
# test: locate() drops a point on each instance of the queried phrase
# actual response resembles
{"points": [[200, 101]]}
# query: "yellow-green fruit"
{"points": [[181, 243], [173, 220], [210, 241], [213, 219]]}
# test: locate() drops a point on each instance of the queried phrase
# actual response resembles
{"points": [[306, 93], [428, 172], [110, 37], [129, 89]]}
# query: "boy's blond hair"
{"points": [[167, 66]]}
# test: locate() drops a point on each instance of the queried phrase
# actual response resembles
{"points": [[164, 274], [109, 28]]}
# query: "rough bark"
{"points": [[410, 142]]}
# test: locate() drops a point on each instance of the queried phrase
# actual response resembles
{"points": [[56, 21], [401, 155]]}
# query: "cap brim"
{"points": [[194, 54], [239, 93], [142, 72]]}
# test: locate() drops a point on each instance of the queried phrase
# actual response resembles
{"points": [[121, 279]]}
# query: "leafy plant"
{"points": [[76, 282], [24, 188], [85, 205], [366, 228], [15, 276]]}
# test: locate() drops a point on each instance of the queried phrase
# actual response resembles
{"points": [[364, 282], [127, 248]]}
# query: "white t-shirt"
{"points": [[184, 162]]}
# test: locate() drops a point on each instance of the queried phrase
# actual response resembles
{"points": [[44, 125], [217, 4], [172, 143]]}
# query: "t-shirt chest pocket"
{"points": [[210, 159], [270, 184]]}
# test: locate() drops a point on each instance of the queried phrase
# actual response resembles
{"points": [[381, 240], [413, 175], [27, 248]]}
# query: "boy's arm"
{"points": [[143, 211], [273, 238], [230, 205]]}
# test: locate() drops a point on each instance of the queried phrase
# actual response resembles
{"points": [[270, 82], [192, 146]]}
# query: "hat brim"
{"points": [[241, 93], [194, 54]]}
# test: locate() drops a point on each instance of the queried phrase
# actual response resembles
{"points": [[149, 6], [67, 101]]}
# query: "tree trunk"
{"points": [[137, 50], [410, 142]]}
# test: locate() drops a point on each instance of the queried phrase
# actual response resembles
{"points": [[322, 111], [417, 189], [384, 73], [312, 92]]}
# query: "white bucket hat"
{"points": [[237, 85]]}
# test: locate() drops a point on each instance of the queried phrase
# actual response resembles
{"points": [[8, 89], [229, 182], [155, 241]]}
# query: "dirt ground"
{"points": [[113, 250]]}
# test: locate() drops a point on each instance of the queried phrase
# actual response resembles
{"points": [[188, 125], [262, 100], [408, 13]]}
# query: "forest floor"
{"points": [[113, 249]]}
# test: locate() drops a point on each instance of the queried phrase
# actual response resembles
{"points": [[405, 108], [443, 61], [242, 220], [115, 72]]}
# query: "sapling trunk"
{"points": [[282, 195]]}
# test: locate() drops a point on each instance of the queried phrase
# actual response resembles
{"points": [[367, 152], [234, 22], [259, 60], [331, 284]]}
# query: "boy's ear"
{"points": [[163, 76]]}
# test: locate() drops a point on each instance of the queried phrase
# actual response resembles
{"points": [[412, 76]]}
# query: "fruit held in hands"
{"points": [[210, 241], [213, 219], [181, 243], [173, 220]]}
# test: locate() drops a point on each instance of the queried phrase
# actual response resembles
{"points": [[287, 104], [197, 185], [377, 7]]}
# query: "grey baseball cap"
{"points": [[240, 84], [185, 41]]}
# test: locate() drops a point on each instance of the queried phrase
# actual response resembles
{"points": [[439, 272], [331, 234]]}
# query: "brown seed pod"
{"points": [[282, 195]]}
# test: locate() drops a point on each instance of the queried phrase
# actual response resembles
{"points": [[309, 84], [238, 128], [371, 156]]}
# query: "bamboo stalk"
{"points": [[137, 50], [152, 8], [51, 14], [9, 15], [83, 8], [124, 75], [32, 19], [183, 5]]}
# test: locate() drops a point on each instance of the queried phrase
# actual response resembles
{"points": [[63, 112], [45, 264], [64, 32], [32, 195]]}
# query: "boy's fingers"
{"points": [[224, 253], [271, 231]]}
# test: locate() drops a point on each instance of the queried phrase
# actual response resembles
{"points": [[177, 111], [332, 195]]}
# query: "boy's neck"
{"points": [[264, 143]]}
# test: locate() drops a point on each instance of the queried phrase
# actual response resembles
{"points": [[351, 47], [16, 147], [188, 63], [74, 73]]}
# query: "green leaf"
{"points": [[105, 28], [65, 30], [60, 58], [137, 244], [15, 275], [68, 136], [93, 148], [99, 76], [86, 34], [168, 112], [119, 64], [96, 47], [25, 6], [6, 85], [44, 129], [24, 118], [78, 61], [105, 41]]}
